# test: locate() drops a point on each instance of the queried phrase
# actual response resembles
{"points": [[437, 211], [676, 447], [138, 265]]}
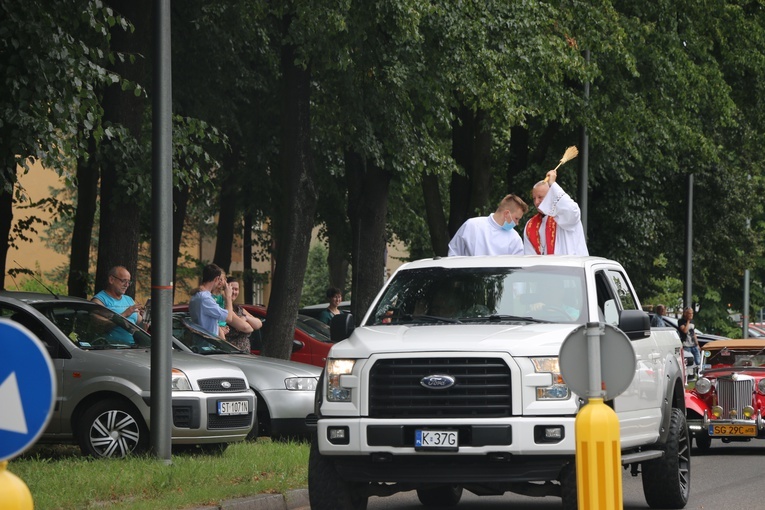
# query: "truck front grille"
{"points": [[482, 388], [734, 395]]}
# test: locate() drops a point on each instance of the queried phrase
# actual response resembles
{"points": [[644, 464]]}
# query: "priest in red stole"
{"points": [[556, 229]]}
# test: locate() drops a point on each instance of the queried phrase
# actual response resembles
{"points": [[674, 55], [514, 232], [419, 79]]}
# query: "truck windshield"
{"points": [[483, 295]]}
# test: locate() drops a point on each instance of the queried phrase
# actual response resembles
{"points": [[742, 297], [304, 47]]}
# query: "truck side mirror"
{"points": [[635, 324], [341, 326]]}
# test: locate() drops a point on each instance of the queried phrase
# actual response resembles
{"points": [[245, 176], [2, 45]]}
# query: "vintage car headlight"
{"points": [[300, 383], [559, 390], [335, 369], [761, 386], [179, 381], [748, 412], [703, 385]]}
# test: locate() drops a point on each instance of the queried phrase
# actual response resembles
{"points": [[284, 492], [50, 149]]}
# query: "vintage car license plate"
{"points": [[233, 407], [435, 439], [732, 430]]}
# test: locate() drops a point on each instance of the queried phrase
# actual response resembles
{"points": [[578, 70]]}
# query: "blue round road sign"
{"points": [[27, 389]]}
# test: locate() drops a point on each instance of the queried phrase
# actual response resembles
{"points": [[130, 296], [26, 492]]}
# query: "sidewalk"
{"points": [[296, 499]]}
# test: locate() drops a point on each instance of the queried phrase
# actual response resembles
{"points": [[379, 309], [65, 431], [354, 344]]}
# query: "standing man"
{"points": [[656, 320], [556, 229], [206, 313], [688, 335], [114, 298], [493, 234]]}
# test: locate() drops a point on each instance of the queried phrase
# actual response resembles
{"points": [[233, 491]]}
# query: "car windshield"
{"points": [[199, 340], [313, 327], [90, 326], [734, 357], [483, 295]]}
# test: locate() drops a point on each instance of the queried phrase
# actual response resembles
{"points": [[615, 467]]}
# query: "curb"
{"points": [[296, 499]]}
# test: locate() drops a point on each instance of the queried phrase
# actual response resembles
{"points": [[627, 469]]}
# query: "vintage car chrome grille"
{"points": [[482, 388], [734, 395], [216, 385]]}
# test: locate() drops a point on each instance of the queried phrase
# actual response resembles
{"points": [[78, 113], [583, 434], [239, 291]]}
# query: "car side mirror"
{"points": [[341, 326], [635, 324]]}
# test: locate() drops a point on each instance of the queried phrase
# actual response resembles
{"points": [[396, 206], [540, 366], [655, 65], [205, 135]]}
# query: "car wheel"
{"points": [[444, 496], [568, 488], [703, 442], [326, 489], [262, 425], [667, 480], [112, 429]]}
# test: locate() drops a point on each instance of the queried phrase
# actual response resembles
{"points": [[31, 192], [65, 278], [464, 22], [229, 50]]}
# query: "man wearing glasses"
{"points": [[114, 298]]}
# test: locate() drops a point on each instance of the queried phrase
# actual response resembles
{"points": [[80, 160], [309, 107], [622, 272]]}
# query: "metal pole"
{"points": [[688, 294], [584, 159], [745, 311], [162, 237]]}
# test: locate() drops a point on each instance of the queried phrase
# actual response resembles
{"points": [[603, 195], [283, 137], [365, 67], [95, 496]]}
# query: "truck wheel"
{"points": [[112, 429], [326, 489], [440, 497], [703, 442], [667, 480], [567, 481]]}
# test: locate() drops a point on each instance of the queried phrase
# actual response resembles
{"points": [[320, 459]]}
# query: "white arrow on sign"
{"points": [[12, 418]]}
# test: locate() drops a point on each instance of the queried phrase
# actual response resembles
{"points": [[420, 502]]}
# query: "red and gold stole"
{"points": [[532, 232]]}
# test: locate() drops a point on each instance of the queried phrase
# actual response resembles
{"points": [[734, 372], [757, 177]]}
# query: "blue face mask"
{"points": [[508, 226]]}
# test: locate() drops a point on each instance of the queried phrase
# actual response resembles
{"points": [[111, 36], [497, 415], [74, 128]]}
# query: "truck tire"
{"points": [[326, 489], [112, 429], [703, 442], [444, 496], [568, 490], [667, 480]]}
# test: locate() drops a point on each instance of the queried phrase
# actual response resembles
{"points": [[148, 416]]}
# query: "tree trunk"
{"points": [[368, 187], [6, 211], [434, 215], [226, 215], [247, 278], [119, 230], [180, 204], [84, 220], [480, 171], [296, 210], [462, 152]]}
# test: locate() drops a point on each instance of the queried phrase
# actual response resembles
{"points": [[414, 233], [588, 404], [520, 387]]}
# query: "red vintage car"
{"points": [[728, 398], [310, 344]]}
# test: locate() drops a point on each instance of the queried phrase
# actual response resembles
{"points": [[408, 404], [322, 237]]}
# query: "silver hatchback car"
{"points": [[103, 372], [285, 389]]}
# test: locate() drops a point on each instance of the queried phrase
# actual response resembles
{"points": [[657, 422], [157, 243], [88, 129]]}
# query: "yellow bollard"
{"points": [[598, 457], [14, 493]]}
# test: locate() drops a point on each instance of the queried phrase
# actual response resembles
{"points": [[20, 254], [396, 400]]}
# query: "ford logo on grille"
{"points": [[437, 382], [225, 384]]}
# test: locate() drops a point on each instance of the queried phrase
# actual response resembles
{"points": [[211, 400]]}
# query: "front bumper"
{"points": [[705, 424], [502, 437]]}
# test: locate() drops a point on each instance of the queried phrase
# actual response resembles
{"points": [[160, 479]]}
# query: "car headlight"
{"points": [[179, 381], [761, 386], [703, 385], [300, 383], [335, 369], [559, 390]]}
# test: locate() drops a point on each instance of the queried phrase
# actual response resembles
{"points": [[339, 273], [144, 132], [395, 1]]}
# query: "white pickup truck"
{"points": [[452, 383]]}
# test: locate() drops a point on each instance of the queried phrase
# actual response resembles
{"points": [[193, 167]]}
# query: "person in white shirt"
{"points": [[493, 234], [556, 229]]}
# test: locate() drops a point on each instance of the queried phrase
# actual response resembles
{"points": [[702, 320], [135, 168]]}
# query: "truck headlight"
{"points": [[300, 383], [558, 390], [335, 369], [179, 381]]}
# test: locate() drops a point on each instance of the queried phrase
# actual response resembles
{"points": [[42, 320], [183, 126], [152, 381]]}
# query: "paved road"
{"points": [[728, 477]]}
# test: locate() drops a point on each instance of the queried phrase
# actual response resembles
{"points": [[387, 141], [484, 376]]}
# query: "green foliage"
{"points": [[316, 278]]}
